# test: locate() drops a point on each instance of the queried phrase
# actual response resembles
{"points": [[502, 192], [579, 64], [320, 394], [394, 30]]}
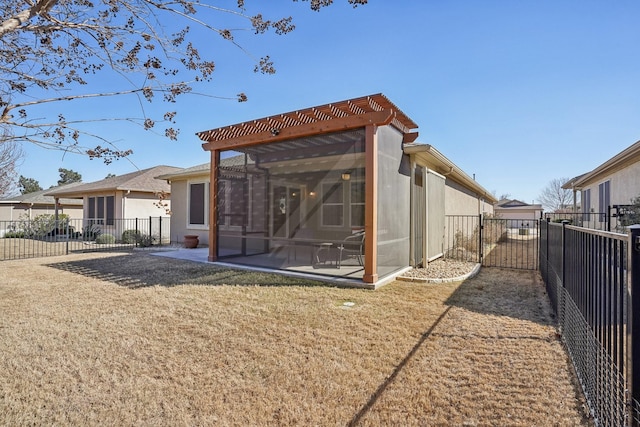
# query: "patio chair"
{"points": [[352, 246]]}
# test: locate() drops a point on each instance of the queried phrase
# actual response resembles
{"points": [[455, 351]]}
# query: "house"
{"points": [[340, 190], [518, 214], [30, 205], [607, 189], [112, 204]]}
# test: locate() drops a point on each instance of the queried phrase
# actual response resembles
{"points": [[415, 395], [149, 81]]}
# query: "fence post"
{"points": [[633, 295], [564, 251], [137, 232], [160, 231], [480, 228]]}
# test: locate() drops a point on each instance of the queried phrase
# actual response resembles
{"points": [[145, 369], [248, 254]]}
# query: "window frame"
{"points": [[205, 204], [604, 200], [323, 203], [101, 209], [358, 203]]}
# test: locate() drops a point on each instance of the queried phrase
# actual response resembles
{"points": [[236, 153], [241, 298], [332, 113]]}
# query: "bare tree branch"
{"points": [[61, 46]]}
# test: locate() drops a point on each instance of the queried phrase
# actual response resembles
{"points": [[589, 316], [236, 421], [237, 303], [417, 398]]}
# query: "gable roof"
{"points": [[41, 197], [623, 159], [142, 181], [338, 116], [203, 169], [512, 203]]}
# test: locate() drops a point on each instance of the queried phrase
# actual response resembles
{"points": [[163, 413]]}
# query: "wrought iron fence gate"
{"points": [[510, 243]]}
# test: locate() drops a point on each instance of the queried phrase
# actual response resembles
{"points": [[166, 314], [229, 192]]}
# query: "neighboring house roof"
{"points": [[40, 197], [141, 181], [623, 159], [446, 167], [514, 203], [203, 169]]}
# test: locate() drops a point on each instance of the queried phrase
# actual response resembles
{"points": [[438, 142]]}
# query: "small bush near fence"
{"points": [[466, 237], [44, 236], [137, 237], [106, 239]]}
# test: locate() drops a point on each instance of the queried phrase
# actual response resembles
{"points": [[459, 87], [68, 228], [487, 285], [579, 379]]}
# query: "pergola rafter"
{"points": [[325, 118]]}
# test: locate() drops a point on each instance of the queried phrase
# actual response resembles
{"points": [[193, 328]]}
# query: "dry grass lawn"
{"points": [[133, 339]]}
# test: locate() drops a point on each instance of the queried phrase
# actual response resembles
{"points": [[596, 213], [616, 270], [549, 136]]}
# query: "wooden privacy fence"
{"points": [[45, 236], [593, 281]]}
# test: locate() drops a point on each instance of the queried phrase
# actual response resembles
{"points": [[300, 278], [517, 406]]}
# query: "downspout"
{"points": [[412, 210]]}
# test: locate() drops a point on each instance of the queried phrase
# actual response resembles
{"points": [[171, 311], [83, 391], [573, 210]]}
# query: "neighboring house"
{"points": [[190, 212], [518, 214], [30, 205], [106, 203], [613, 183], [339, 189]]}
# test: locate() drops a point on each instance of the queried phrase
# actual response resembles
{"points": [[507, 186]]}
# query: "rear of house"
{"points": [[329, 190]]}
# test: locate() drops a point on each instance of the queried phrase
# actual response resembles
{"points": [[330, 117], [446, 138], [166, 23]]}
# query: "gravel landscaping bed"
{"points": [[441, 269]]}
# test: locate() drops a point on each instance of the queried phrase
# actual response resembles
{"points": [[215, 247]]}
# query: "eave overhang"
{"points": [[427, 155], [618, 162]]}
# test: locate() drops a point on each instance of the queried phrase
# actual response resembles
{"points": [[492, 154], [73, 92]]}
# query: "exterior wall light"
{"points": [[346, 176]]}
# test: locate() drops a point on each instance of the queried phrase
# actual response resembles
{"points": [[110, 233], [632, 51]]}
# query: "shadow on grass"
{"points": [[142, 270], [516, 294]]}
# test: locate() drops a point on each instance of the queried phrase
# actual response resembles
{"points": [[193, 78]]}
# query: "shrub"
{"points": [[14, 235], [43, 225], [145, 240], [105, 239], [131, 236], [135, 236], [90, 232]]}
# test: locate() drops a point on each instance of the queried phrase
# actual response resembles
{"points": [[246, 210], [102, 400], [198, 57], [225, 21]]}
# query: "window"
{"points": [[357, 204], [332, 204], [586, 204], [231, 203], [604, 200], [198, 204], [100, 205]]}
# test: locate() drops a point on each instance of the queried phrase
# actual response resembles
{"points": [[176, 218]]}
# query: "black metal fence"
{"points": [[495, 242], [617, 218], [462, 237], [593, 281], [45, 236]]}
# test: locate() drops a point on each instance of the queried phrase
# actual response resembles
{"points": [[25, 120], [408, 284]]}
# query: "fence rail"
{"points": [[593, 281], [44, 236]]}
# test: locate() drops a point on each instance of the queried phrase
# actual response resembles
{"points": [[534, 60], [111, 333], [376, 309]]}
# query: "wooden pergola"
{"points": [[368, 112]]}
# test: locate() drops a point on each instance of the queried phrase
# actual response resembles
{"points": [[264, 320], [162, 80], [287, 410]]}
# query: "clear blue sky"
{"points": [[515, 92]]}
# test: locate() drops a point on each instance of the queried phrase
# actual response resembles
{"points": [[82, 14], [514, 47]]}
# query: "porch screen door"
{"points": [[285, 211]]}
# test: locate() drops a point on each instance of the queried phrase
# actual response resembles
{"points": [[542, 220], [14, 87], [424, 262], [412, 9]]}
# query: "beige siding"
{"points": [[624, 186], [139, 205], [14, 213], [462, 201], [179, 211]]}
